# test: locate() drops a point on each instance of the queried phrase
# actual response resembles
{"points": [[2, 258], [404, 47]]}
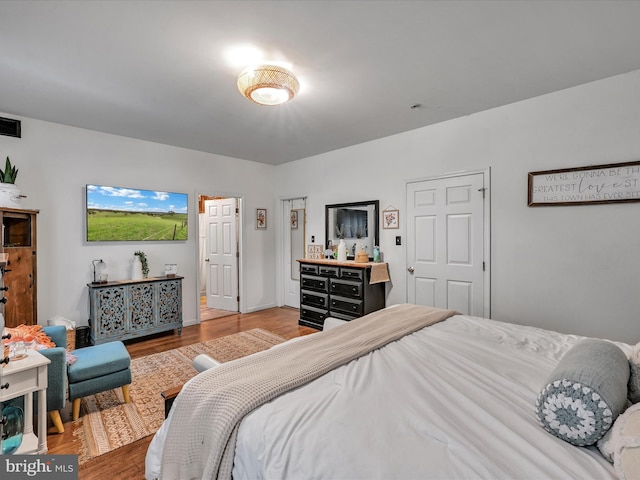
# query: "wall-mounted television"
{"points": [[130, 214]]}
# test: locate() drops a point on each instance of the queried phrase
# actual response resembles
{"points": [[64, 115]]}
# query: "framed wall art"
{"points": [[611, 183], [261, 218], [390, 218], [294, 219]]}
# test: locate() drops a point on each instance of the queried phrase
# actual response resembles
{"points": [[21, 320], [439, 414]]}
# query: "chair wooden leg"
{"points": [[57, 421], [76, 408], [125, 393]]}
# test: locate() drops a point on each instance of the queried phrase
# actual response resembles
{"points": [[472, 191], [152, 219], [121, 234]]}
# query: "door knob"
{"points": [[410, 269], [206, 259]]}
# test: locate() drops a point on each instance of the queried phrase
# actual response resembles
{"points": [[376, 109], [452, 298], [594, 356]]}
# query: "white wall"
{"points": [[573, 269], [56, 162]]}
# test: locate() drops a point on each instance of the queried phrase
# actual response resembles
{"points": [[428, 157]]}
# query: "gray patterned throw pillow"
{"points": [[585, 392]]}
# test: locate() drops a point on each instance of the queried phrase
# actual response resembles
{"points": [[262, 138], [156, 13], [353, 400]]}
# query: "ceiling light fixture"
{"points": [[268, 84]]}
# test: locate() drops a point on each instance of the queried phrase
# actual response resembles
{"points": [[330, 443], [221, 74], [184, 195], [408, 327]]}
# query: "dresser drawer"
{"points": [[346, 287], [314, 315], [314, 283], [315, 299], [346, 305], [306, 268], [342, 315], [329, 271], [354, 273]]}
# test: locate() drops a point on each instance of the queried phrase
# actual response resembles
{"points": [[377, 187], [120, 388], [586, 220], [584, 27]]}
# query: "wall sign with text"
{"points": [[618, 182]]}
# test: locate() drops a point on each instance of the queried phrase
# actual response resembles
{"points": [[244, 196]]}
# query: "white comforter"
{"points": [[451, 401]]}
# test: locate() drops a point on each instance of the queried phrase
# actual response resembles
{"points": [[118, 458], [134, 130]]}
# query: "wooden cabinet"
{"points": [[337, 289], [134, 308], [20, 273]]}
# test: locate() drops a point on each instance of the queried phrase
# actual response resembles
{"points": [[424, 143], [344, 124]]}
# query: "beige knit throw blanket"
{"points": [[206, 415]]}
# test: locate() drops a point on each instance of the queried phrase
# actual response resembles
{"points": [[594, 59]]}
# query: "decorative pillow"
{"points": [[585, 392], [634, 378], [625, 438]]}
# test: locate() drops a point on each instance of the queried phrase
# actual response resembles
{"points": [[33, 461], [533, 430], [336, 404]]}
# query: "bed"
{"points": [[452, 400]]}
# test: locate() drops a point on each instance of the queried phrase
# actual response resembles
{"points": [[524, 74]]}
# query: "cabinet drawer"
{"points": [[306, 268], [315, 283], [346, 305], [316, 299], [311, 314], [346, 287], [354, 273], [329, 271]]}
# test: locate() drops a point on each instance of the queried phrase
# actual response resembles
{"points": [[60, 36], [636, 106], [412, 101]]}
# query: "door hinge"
{"points": [[484, 266], [237, 254], [238, 298], [483, 190]]}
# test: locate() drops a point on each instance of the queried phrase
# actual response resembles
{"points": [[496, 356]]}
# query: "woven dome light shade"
{"points": [[268, 84]]}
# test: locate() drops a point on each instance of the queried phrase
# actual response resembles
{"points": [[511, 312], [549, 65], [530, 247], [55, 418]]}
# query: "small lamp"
{"points": [[99, 271]]}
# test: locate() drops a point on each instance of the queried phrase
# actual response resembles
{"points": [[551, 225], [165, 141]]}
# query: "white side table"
{"points": [[25, 377]]}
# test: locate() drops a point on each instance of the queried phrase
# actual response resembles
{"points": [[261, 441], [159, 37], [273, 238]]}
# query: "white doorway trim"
{"points": [[241, 246], [486, 225]]}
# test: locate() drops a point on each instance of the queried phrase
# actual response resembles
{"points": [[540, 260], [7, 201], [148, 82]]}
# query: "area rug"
{"points": [[106, 423]]}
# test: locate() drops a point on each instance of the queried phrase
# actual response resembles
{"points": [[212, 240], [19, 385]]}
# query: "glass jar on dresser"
{"points": [[343, 290], [128, 309]]}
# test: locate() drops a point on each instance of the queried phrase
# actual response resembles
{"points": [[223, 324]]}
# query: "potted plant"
{"points": [[143, 260], [9, 193]]}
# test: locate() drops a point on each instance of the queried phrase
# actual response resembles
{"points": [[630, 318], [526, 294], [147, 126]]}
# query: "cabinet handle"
{"points": [[354, 308], [354, 289], [6, 385]]}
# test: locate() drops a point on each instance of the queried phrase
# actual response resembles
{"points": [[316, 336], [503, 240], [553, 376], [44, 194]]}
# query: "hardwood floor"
{"points": [[128, 462], [211, 313]]}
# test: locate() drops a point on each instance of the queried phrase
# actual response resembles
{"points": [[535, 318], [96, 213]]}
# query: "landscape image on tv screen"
{"points": [[128, 214]]}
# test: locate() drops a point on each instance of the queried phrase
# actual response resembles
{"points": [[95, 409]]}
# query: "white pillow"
{"points": [[625, 439]]}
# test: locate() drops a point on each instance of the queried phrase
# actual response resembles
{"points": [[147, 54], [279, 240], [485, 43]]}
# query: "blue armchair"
{"points": [[57, 373]]}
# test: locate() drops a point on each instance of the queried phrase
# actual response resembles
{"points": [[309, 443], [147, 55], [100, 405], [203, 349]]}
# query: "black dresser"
{"points": [[343, 290]]}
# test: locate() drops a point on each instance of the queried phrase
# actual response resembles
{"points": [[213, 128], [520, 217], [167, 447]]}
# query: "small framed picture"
{"points": [[294, 219], [315, 251], [261, 218], [391, 218], [170, 269]]}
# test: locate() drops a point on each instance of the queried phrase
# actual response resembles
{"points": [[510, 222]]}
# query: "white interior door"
{"points": [[222, 254], [447, 225]]}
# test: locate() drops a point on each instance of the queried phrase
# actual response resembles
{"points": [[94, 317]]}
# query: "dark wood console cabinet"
{"points": [[343, 290]]}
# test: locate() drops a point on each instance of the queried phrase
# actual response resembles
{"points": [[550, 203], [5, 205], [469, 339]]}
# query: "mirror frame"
{"points": [[329, 233], [302, 212]]}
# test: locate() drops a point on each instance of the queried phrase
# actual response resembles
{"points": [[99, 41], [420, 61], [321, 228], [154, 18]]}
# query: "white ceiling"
{"points": [[156, 70]]}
